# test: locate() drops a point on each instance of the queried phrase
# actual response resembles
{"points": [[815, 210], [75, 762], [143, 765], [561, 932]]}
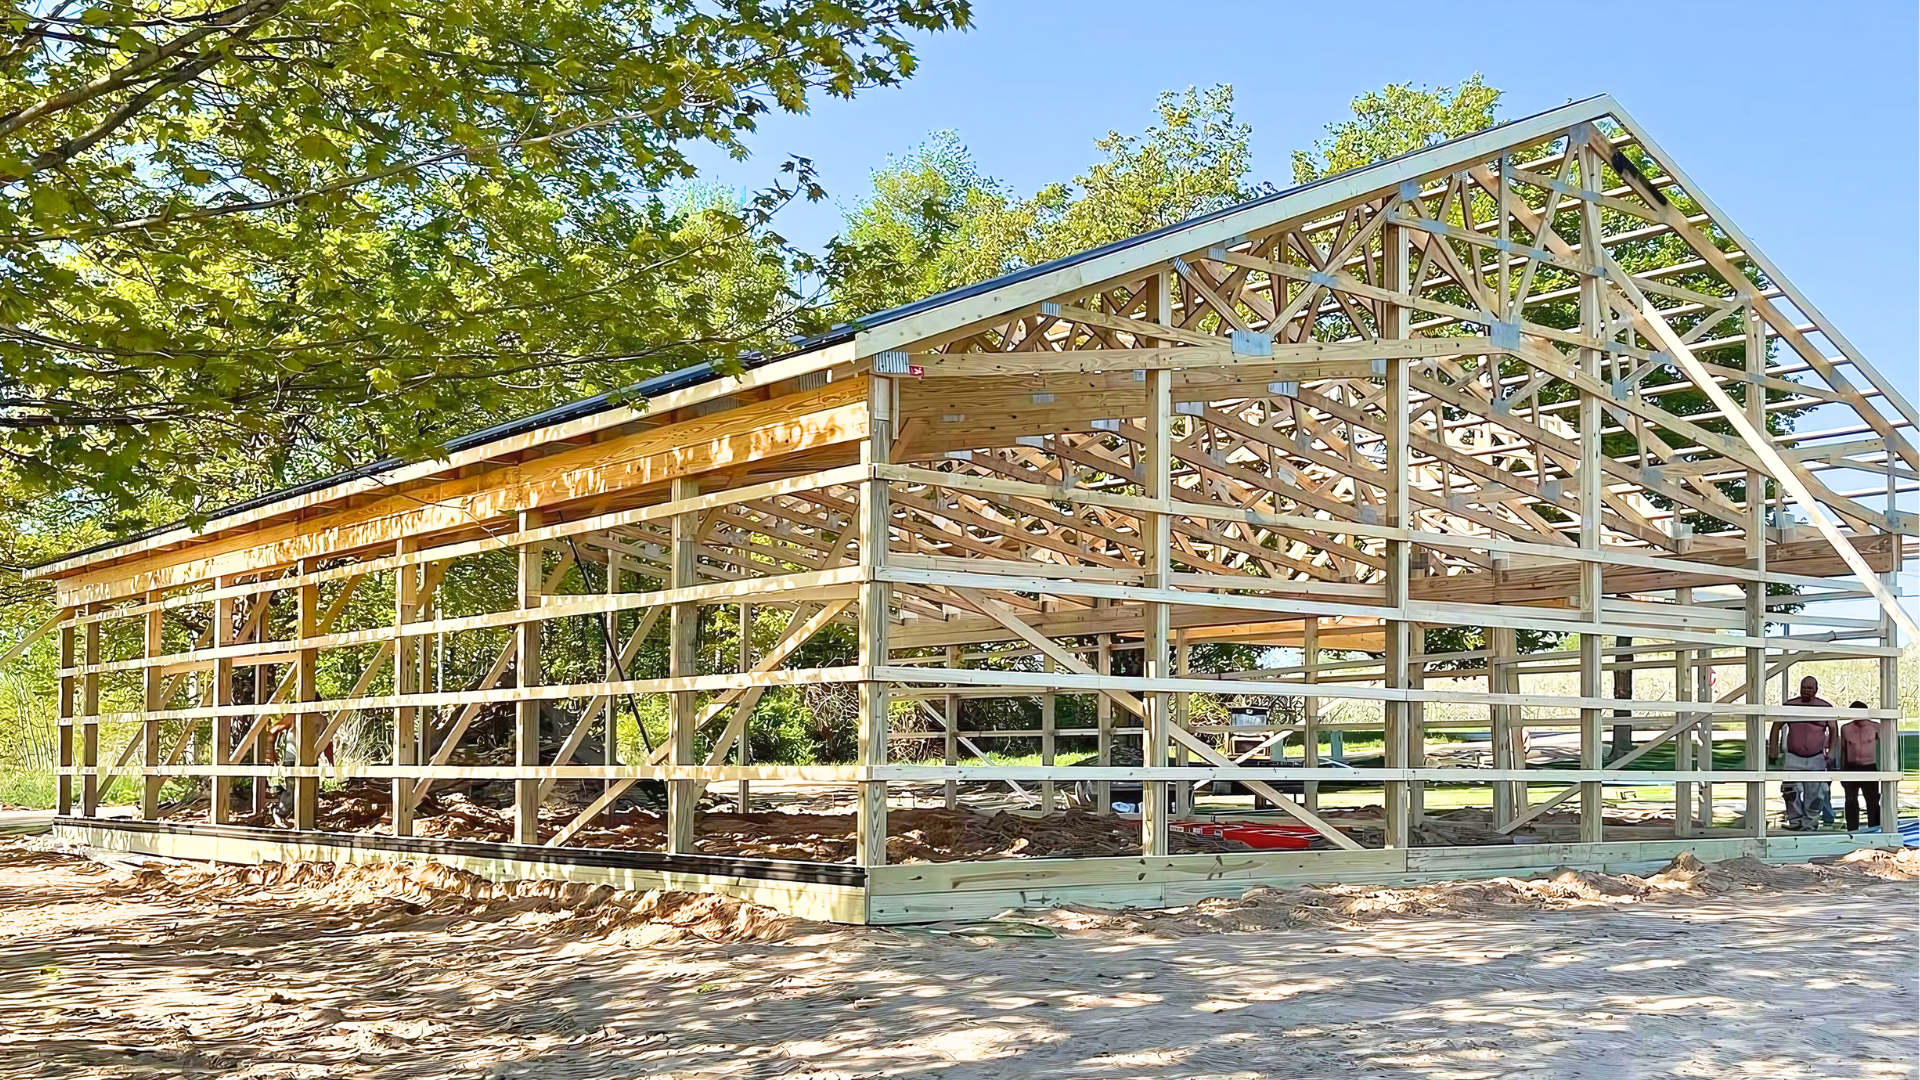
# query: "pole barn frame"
{"points": [[1429, 393]]}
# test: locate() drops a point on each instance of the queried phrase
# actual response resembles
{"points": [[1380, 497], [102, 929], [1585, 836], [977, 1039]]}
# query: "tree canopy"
{"points": [[243, 239], [934, 221]]}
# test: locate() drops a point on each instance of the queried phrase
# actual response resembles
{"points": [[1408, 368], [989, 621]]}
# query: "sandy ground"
{"points": [[1733, 970]]}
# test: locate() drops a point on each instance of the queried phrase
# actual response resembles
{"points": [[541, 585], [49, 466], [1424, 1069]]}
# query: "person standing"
{"points": [[1860, 750], [1804, 746]]}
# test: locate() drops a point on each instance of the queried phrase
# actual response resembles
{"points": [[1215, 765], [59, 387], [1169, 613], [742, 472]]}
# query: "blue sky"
{"points": [[1801, 121]]}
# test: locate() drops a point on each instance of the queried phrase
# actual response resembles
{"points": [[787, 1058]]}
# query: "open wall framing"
{"points": [[1529, 381]]}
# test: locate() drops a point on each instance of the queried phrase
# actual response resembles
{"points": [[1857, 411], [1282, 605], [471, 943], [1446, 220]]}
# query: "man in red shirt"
{"points": [[1804, 748]]}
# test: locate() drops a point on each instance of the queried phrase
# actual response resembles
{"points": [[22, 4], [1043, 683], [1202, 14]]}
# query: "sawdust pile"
{"points": [[1348, 905], [916, 835], [387, 894]]}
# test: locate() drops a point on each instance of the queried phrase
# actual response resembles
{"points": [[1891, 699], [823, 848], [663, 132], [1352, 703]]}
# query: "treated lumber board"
{"points": [[815, 360], [788, 487], [808, 900], [1001, 874]]}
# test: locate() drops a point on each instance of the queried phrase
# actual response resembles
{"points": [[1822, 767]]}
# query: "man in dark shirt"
{"points": [[1803, 746]]}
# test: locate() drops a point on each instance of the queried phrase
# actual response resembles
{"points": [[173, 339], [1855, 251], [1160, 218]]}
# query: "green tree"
{"points": [[933, 221], [255, 230], [927, 225], [1395, 119]]}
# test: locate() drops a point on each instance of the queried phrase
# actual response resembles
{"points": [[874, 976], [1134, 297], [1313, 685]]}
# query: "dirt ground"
{"points": [[813, 829], [819, 827], [1725, 970]]}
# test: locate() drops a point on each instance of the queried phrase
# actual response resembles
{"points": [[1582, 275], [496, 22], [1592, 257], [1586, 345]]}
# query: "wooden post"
{"points": [[306, 725], [1756, 606], [1049, 713], [406, 596], [155, 698], [745, 742], [1158, 628], [220, 788], [683, 642], [90, 720], [1888, 758], [951, 706], [531, 566], [1417, 724], [610, 710], [1156, 560], [1182, 703], [1509, 798], [1103, 721], [1703, 691], [1683, 746], [1591, 480], [263, 684], [69, 711], [875, 597], [1310, 710], [1394, 322]]}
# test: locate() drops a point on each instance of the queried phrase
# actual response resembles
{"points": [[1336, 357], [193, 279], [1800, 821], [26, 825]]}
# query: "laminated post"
{"points": [[1103, 721], [1394, 323], [1049, 727], [1183, 717], [219, 787], [1500, 647], [1591, 482], [1417, 724], [1683, 745], [614, 670], [530, 566], [1156, 562], [874, 530], [69, 709], [90, 718], [1157, 636], [155, 699], [306, 688], [1703, 691], [1755, 407], [406, 597], [745, 742], [950, 708], [683, 643], [1310, 710]]}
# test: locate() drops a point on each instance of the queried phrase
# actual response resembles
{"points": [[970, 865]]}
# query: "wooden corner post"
{"points": [[1394, 324], [1157, 630], [1591, 482], [875, 527]]}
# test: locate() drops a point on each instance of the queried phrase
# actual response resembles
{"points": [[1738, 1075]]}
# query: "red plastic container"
{"points": [[1267, 836]]}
